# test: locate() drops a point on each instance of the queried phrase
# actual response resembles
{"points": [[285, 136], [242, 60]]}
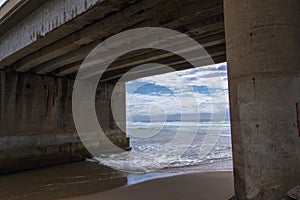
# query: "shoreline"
{"points": [[85, 179], [224, 166], [192, 186]]}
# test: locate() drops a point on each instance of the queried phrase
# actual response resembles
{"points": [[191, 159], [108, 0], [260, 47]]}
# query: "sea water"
{"points": [[153, 155]]}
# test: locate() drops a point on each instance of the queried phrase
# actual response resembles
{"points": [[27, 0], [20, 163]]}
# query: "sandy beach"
{"points": [[89, 181], [196, 186]]}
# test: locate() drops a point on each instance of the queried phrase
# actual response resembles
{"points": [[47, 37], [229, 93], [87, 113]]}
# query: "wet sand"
{"points": [[196, 186], [62, 181], [88, 181]]}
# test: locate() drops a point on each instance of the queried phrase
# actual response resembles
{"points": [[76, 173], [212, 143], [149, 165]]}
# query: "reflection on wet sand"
{"points": [[61, 181]]}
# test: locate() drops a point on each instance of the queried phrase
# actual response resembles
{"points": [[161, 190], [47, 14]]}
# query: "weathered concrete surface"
{"points": [[36, 121], [46, 19], [56, 19], [113, 123], [262, 39], [262, 47], [53, 41], [13, 12], [61, 50], [294, 193]]}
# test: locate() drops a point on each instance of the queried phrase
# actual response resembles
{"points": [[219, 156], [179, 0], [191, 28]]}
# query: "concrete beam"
{"points": [[82, 52], [56, 19], [156, 56], [75, 45], [13, 12], [173, 61], [137, 57], [217, 57], [86, 35]]}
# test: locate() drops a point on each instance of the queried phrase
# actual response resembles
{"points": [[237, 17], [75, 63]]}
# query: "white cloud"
{"points": [[181, 84]]}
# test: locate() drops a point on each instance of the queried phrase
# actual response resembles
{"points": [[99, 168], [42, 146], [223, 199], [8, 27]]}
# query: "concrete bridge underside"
{"points": [[40, 56]]}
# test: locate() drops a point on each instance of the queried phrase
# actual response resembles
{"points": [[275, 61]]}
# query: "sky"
{"points": [[184, 94], [2, 1]]}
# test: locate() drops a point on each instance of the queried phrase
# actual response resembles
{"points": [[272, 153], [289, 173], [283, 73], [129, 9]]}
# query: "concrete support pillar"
{"points": [[36, 121], [111, 112], [263, 45]]}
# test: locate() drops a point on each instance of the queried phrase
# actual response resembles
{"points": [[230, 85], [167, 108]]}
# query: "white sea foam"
{"points": [[145, 156]]}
